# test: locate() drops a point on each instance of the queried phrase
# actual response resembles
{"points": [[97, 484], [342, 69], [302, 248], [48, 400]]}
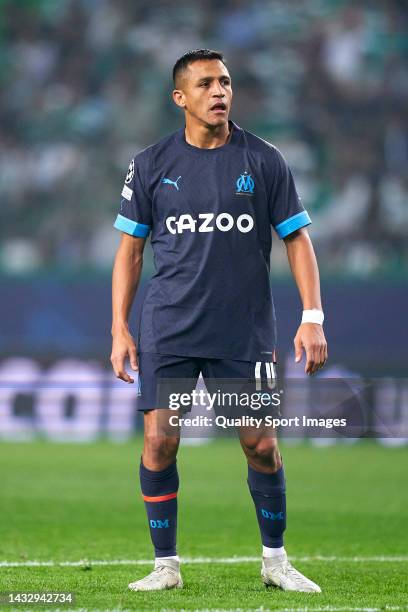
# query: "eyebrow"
{"points": [[212, 78]]}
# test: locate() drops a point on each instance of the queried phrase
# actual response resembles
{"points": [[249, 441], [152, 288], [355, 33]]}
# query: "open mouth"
{"points": [[219, 107]]}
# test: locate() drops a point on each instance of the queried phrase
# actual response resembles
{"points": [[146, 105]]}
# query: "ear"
{"points": [[179, 98]]}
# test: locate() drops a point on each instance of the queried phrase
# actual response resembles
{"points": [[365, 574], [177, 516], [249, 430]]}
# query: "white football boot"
{"points": [[278, 572], [166, 575]]}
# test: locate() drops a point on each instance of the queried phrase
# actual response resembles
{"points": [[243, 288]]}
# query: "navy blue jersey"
{"points": [[210, 212]]}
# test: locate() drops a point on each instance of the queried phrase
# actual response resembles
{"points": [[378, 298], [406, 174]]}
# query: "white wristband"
{"points": [[313, 316]]}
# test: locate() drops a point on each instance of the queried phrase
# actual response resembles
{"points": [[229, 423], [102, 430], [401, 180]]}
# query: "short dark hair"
{"points": [[193, 56]]}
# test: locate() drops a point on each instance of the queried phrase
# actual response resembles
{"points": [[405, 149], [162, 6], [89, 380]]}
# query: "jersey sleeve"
{"points": [[135, 214], [286, 211]]}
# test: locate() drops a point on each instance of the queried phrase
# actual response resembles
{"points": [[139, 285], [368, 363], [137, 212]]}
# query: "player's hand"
{"points": [[310, 338], [123, 346]]}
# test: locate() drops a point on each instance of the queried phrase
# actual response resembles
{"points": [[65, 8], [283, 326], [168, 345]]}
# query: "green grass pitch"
{"points": [[82, 502]]}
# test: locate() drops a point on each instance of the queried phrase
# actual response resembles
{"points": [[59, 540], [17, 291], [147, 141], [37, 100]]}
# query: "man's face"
{"points": [[205, 93]]}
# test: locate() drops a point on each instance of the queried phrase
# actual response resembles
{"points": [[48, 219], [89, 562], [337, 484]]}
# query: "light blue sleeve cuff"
{"points": [[131, 227], [292, 224]]}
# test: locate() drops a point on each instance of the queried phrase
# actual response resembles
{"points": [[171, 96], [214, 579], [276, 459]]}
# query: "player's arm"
{"points": [[310, 336], [126, 275]]}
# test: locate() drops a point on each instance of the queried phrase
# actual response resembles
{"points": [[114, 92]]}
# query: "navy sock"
{"points": [[268, 493], [159, 490]]}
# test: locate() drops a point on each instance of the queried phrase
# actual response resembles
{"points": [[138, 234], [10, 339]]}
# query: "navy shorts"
{"points": [[162, 378]]}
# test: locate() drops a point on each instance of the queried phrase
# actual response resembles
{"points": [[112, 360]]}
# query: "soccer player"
{"points": [[209, 194]]}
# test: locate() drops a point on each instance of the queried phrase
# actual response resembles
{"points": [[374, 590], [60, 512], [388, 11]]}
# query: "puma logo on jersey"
{"points": [[168, 181], [208, 222]]}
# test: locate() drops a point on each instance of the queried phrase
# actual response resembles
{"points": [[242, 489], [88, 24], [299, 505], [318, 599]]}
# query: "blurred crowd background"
{"points": [[85, 84]]}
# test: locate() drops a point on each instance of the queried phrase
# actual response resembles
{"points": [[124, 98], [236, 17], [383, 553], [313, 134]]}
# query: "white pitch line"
{"points": [[202, 561]]}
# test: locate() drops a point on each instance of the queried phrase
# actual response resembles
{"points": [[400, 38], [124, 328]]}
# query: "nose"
{"points": [[217, 90]]}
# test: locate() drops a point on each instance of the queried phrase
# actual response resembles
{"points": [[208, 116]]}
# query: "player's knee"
{"points": [[249, 443], [266, 454], [160, 449]]}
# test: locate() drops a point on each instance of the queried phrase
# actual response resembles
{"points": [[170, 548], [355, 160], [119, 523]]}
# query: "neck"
{"points": [[207, 137]]}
